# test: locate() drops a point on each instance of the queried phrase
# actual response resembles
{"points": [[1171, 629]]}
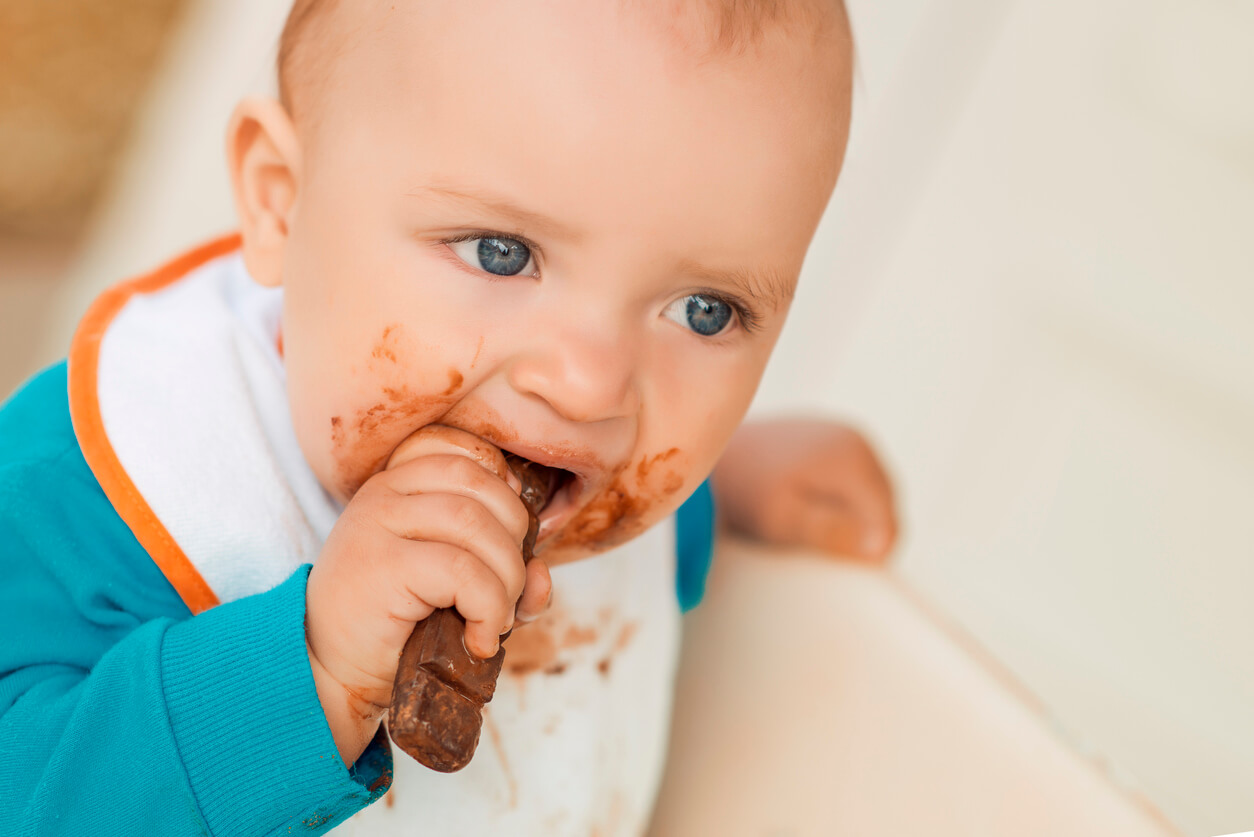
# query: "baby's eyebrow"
{"points": [[765, 284], [503, 206]]}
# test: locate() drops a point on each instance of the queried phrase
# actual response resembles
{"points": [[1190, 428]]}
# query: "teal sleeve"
{"points": [[122, 714], [694, 540]]}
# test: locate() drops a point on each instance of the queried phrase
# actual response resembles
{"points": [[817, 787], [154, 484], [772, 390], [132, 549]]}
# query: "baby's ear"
{"points": [[264, 158]]}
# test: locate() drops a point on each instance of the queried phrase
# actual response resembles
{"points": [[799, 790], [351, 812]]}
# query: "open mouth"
{"points": [[543, 487]]}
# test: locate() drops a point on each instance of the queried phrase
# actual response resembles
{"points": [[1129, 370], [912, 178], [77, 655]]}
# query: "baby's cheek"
{"points": [[362, 441], [638, 497], [394, 397]]}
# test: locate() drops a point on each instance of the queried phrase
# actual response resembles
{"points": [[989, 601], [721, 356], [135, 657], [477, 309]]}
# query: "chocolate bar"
{"points": [[440, 690]]}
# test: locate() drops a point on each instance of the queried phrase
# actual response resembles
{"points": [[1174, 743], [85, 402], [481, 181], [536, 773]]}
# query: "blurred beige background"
{"points": [[72, 75], [1033, 289]]}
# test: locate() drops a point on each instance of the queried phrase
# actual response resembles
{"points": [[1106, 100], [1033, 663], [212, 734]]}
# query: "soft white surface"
{"points": [[819, 698], [1056, 356]]}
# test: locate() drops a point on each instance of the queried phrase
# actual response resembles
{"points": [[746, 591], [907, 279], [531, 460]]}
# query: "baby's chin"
{"points": [[610, 519], [567, 546]]}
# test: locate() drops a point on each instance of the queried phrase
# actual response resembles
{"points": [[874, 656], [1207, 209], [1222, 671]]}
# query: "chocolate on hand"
{"points": [[440, 689]]}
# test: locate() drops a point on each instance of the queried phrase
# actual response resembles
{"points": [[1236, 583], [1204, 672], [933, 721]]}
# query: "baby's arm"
{"points": [[809, 483], [121, 715]]}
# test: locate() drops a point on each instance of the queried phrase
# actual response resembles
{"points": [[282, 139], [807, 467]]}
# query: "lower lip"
{"points": [[560, 508]]}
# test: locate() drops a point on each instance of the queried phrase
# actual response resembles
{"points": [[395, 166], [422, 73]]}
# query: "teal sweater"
{"points": [[120, 713]]}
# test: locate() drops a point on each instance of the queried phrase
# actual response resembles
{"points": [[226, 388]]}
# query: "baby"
{"points": [[569, 231]]}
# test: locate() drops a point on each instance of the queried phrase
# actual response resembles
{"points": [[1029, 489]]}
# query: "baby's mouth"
{"points": [[539, 482], [547, 491]]}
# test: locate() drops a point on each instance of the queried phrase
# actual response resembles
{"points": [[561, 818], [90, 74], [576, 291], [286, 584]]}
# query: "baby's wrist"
{"points": [[352, 717]]}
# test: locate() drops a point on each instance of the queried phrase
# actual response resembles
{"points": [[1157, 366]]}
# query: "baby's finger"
{"points": [[838, 528], [867, 500], [439, 439], [460, 522], [869, 484], [434, 575], [454, 474], [537, 592], [873, 505]]}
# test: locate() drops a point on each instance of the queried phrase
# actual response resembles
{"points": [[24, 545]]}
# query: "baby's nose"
{"points": [[585, 375]]}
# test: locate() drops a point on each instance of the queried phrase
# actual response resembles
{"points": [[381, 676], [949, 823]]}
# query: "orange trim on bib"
{"points": [[84, 361]]}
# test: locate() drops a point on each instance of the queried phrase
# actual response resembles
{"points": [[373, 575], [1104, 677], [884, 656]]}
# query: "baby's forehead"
{"points": [[581, 113], [704, 31]]}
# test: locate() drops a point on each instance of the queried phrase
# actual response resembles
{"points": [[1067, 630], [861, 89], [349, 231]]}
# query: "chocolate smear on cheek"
{"points": [[620, 512], [363, 450], [386, 349], [362, 443], [455, 381]]}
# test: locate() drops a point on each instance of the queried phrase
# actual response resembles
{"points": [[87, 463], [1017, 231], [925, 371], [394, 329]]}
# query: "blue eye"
{"points": [[497, 255], [704, 314]]}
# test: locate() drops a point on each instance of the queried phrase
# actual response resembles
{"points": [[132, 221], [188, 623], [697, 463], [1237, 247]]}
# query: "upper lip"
{"points": [[583, 463]]}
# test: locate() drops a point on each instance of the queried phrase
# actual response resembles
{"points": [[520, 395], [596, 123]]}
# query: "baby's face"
{"points": [[547, 225]]}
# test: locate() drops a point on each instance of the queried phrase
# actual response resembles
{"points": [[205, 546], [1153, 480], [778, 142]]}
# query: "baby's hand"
{"points": [[442, 526], [804, 482]]}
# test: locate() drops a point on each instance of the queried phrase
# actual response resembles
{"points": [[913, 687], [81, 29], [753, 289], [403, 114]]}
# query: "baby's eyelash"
{"points": [[471, 236], [750, 320], [477, 235]]}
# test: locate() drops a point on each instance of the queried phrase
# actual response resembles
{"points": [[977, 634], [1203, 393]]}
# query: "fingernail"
{"points": [[476, 655]]}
